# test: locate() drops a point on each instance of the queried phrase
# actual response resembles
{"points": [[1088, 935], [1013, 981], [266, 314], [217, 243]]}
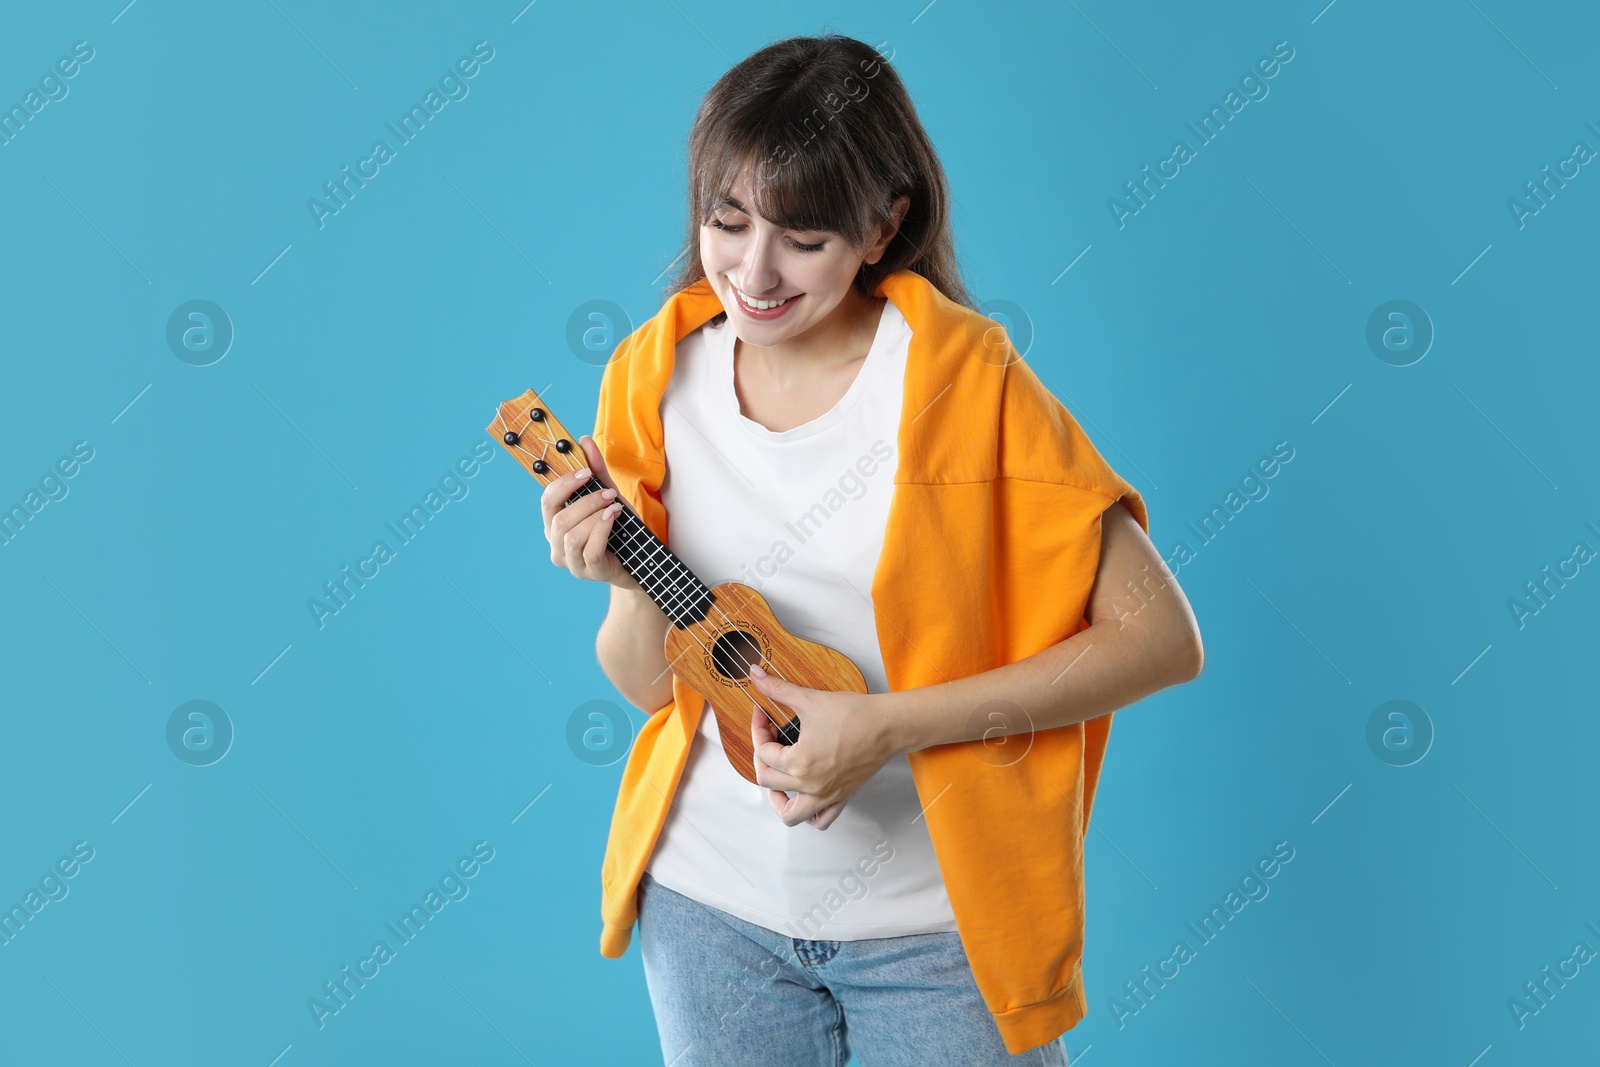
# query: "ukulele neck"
{"points": [[682, 597]]}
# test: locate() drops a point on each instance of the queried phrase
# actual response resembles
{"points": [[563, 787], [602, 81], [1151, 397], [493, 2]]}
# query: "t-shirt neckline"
{"points": [[841, 407]]}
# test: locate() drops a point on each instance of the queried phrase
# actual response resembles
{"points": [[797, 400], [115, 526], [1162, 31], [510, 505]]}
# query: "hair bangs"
{"points": [[813, 189]]}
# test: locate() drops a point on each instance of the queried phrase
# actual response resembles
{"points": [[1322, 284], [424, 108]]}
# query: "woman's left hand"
{"points": [[842, 744]]}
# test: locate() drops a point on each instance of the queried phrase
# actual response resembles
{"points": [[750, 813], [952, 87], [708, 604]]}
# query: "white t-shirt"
{"points": [[799, 516]]}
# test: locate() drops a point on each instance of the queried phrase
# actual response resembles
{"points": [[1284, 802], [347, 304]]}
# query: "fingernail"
{"points": [[608, 494], [582, 472], [756, 671]]}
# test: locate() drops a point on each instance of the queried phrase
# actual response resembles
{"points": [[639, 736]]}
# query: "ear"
{"points": [[897, 214]]}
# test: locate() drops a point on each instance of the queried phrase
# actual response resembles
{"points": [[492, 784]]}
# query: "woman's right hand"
{"points": [[578, 531]]}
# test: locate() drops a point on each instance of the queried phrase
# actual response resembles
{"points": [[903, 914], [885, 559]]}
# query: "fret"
{"points": [[665, 578]]}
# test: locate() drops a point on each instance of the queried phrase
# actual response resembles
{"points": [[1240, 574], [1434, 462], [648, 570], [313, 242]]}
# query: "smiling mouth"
{"points": [[762, 308]]}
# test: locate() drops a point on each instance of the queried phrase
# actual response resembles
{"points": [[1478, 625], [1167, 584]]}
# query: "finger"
{"points": [[784, 805], [760, 734], [774, 755], [566, 525], [774, 751], [774, 777], [764, 740], [594, 550], [823, 817], [760, 726], [800, 808], [559, 489]]}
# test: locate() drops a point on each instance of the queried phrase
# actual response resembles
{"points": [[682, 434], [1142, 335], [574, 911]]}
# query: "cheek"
{"points": [[712, 249], [828, 273]]}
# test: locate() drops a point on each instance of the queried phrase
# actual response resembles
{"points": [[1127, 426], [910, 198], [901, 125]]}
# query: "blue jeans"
{"points": [[728, 993]]}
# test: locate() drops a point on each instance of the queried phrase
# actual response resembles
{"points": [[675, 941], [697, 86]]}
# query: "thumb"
{"points": [[596, 461]]}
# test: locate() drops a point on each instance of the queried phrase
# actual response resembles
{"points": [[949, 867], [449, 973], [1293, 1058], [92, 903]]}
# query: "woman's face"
{"points": [[746, 258]]}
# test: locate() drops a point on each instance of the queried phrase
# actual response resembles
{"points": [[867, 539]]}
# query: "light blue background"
{"points": [[1225, 317]]}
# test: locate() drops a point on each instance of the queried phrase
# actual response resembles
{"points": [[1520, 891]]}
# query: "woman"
{"points": [[826, 419]]}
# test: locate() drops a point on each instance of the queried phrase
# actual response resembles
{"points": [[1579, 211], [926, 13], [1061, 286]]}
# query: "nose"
{"points": [[758, 272]]}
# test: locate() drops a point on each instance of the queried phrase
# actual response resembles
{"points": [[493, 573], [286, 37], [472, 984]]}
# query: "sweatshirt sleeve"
{"points": [[1040, 441], [1054, 488]]}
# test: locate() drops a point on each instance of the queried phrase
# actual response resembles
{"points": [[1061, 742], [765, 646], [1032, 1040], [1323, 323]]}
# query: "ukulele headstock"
{"points": [[527, 428]]}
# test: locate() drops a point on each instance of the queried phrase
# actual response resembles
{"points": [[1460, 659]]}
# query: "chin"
{"points": [[752, 333]]}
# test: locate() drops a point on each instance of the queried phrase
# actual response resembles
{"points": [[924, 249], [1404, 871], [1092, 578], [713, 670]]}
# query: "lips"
{"points": [[759, 314]]}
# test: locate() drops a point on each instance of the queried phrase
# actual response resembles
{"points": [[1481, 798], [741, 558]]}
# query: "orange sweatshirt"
{"points": [[991, 548]]}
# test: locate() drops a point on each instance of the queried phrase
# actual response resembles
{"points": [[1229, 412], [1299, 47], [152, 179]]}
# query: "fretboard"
{"points": [[664, 577]]}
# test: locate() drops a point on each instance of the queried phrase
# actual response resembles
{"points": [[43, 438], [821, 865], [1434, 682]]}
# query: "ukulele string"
{"points": [[660, 570]]}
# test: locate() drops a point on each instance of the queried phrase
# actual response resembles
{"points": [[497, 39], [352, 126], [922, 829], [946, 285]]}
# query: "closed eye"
{"points": [[740, 227]]}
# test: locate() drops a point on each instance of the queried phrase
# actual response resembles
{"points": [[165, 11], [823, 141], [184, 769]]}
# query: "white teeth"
{"points": [[763, 305]]}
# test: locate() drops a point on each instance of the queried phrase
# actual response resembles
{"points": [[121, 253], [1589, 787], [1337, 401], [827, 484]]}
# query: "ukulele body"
{"points": [[712, 659]]}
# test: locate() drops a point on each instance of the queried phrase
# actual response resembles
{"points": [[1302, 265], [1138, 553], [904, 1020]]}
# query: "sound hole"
{"points": [[733, 653]]}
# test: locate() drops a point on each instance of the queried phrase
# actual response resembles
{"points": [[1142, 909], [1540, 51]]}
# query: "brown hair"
{"points": [[827, 133]]}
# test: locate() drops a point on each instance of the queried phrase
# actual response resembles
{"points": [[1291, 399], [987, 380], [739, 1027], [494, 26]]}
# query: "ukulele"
{"points": [[716, 633]]}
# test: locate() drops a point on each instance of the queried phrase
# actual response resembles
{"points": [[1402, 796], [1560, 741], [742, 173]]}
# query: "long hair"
{"points": [[826, 134]]}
